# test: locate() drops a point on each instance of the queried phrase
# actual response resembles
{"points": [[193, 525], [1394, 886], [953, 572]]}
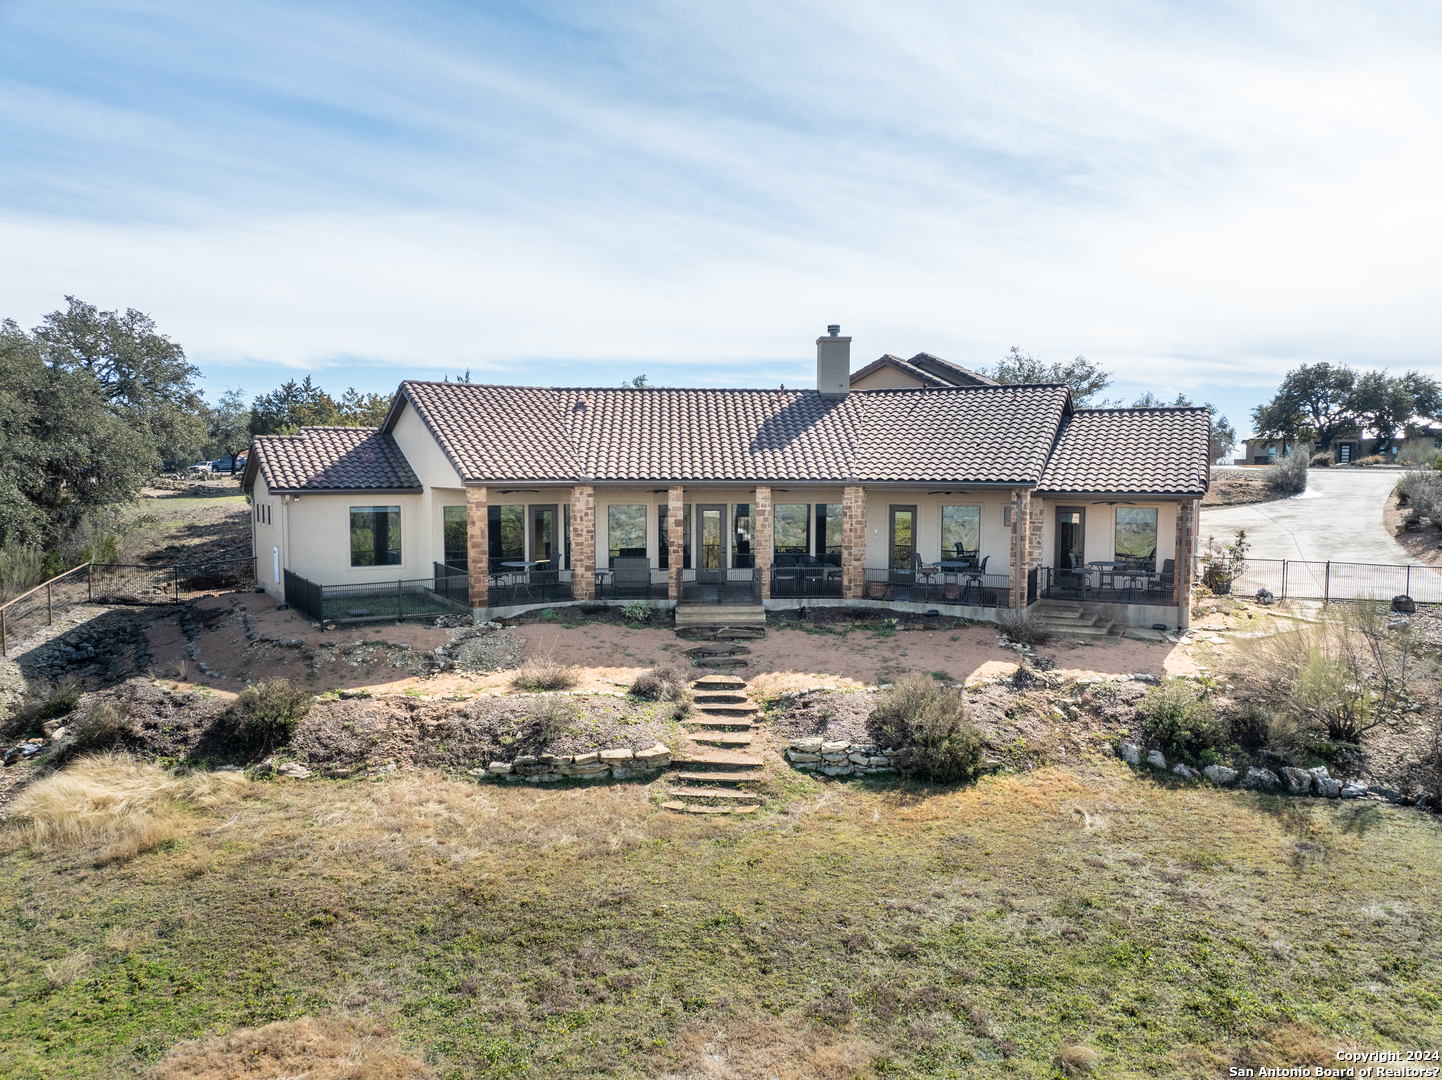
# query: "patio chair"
{"points": [[546, 582], [923, 572], [631, 577], [1071, 580], [1162, 585], [973, 580], [785, 577]]}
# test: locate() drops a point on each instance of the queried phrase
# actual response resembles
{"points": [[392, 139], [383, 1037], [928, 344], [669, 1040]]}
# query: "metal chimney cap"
{"points": [[834, 329]]}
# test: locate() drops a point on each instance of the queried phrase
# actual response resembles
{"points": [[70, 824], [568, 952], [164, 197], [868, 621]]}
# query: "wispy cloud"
{"points": [[1196, 195]]}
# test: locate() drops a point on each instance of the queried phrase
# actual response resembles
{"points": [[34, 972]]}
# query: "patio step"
{"points": [[719, 615], [1074, 620]]}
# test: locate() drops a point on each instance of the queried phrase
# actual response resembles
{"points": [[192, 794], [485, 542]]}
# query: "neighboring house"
{"points": [[961, 499], [893, 373], [1267, 451]]}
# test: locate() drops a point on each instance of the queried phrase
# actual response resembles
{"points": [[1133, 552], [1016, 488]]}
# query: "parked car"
{"points": [[202, 467], [223, 465]]}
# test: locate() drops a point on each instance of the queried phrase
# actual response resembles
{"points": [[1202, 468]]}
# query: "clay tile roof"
{"points": [[981, 434], [333, 459], [1162, 451]]}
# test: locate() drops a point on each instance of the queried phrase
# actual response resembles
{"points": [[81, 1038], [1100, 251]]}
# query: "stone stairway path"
{"points": [[715, 761]]}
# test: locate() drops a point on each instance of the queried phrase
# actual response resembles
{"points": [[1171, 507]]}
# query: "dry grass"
{"points": [[68, 970], [541, 673], [765, 1050], [1075, 1060], [132, 805], [311, 1047]]}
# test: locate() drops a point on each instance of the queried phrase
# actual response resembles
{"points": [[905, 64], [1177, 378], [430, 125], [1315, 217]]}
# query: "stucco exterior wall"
{"points": [[886, 378], [319, 526], [995, 536], [267, 536], [1101, 521]]}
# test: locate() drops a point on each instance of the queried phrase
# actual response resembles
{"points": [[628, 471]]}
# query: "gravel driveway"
{"points": [[1338, 517]]}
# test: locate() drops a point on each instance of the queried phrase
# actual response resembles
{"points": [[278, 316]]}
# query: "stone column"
{"points": [[765, 545], [853, 543], [583, 542], [478, 547], [1020, 533], [1183, 558], [675, 540]]}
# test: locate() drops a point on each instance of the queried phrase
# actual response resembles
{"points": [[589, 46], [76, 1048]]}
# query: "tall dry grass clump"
{"points": [[668, 682], [316, 1048], [132, 805], [543, 673], [1288, 475]]}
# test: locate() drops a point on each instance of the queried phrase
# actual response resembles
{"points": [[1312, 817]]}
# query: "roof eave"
{"points": [[347, 491]]}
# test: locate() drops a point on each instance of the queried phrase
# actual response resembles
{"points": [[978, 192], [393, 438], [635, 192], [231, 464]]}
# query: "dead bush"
{"points": [[1075, 1060], [666, 683], [265, 715], [314, 1047], [100, 728], [552, 718], [544, 673], [1022, 626], [1287, 475], [927, 723]]}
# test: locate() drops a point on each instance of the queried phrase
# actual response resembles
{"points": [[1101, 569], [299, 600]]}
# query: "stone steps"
{"points": [[746, 711], [720, 777], [704, 698], [725, 794], [694, 808], [719, 684], [720, 722], [723, 738], [720, 616]]}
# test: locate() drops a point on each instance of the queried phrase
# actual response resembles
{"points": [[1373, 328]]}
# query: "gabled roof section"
{"points": [[927, 369], [494, 432], [983, 434], [330, 459], [1131, 451]]}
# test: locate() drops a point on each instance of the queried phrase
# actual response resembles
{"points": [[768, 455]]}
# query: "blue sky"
{"points": [[1196, 195]]}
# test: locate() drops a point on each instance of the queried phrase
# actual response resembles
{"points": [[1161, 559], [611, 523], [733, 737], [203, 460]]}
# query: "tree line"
{"points": [[1319, 403]]}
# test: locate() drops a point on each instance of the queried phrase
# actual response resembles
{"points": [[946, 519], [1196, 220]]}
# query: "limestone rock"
{"points": [[1329, 787], [1157, 760], [657, 757], [807, 746], [586, 759], [835, 747], [500, 768], [1185, 770], [1390, 794], [1319, 773], [1260, 778], [1299, 781], [797, 757], [1353, 789], [620, 753], [524, 759], [1131, 753], [858, 759], [265, 768], [1220, 774], [836, 770], [879, 761]]}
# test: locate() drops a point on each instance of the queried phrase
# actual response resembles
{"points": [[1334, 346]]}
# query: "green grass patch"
{"points": [[899, 930]]}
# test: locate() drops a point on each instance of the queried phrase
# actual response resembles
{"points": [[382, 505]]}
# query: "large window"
{"points": [[793, 522], [375, 535], [1137, 536], [506, 534], [626, 530], [828, 532], [454, 540], [960, 531], [743, 549]]}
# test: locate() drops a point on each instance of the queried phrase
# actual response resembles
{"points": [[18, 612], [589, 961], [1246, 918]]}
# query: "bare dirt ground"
{"points": [[1424, 545], [1238, 488]]}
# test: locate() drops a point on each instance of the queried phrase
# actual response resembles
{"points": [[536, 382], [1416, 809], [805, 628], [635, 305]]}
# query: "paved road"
{"points": [[1338, 517]]}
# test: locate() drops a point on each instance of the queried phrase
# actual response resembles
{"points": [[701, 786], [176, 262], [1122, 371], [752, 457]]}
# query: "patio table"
{"points": [[522, 579]]}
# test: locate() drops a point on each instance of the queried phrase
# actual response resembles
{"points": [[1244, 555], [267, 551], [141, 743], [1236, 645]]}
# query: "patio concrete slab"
{"points": [[1338, 518]]}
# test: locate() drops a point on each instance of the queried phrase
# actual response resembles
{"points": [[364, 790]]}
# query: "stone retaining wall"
{"points": [[838, 758], [618, 764]]}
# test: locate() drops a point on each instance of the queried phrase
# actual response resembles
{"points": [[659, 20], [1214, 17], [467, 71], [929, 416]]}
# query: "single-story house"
{"points": [[893, 373], [957, 499]]}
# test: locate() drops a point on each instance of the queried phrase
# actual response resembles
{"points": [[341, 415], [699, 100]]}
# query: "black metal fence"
{"points": [[377, 601], [971, 588], [1299, 579], [1099, 585]]}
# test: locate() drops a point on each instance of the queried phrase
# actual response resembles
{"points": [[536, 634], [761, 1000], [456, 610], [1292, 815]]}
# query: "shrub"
{"points": [[100, 728], [927, 723], [1421, 489], [1288, 475], [62, 699], [543, 673], [1179, 720], [1224, 563], [19, 569], [637, 611], [667, 683], [1372, 459], [1022, 626], [1421, 452], [1322, 460], [552, 718], [266, 714]]}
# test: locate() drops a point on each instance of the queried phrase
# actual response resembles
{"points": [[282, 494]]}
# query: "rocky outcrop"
{"points": [[1220, 775], [1264, 779]]}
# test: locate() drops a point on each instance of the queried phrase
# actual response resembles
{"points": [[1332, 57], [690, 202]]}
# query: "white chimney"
{"points": [[833, 363]]}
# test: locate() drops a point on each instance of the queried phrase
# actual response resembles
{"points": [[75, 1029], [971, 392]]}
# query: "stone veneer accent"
{"points": [[853, 542], [764, 544], [675, 540], [583, 542], [478, 548], [1186, 545], [1020, 534]]}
